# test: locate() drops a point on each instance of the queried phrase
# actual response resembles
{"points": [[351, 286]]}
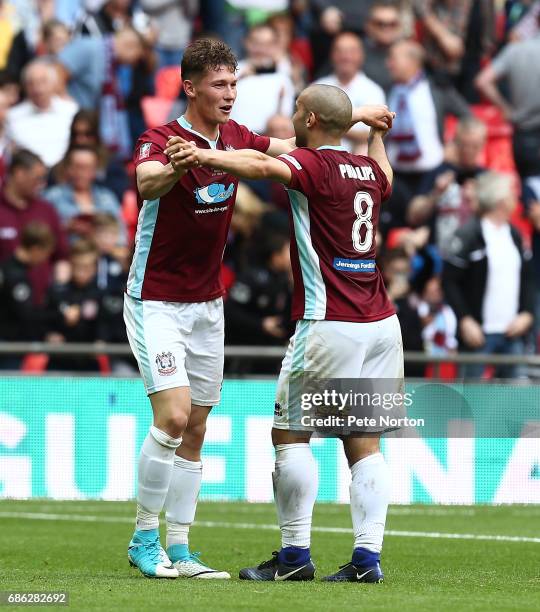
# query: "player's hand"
{"points": [[471, 332], [377, 116], [181, 153], [519, 325]]}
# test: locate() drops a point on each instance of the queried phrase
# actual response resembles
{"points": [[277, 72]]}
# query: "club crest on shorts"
{"points": [[166, 363]]}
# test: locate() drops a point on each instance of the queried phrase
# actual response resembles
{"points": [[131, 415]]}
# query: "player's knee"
{"points": [[174, 423]]}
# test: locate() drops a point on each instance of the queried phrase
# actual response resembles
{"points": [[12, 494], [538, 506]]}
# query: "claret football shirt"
{"points": [[181, 236], [335, 200]]}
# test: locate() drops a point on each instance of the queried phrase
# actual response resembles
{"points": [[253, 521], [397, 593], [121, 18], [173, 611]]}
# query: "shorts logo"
{"points": [[277, 409], [214, 193], [354, 265], [144, 151], [166, 363]]}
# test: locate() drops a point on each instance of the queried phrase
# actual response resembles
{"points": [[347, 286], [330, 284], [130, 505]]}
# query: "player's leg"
{"points": [[160, 356], [370, 478], [204, 364], [295, 477]]}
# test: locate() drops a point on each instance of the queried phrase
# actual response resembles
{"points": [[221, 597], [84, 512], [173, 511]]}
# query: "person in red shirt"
{"points": [[346, 325], [173, 304], [20, 204]]}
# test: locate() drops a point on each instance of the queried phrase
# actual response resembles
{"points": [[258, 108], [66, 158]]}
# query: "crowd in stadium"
{"points": [[459, 240]]}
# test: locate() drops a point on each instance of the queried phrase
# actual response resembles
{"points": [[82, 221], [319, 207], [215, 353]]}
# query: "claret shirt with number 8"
{"points": [[335, 200]]}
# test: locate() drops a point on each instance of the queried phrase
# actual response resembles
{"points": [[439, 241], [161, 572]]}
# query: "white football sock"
{"points": [[296, 482], [155, 469], [182, 499], [370, 495]]}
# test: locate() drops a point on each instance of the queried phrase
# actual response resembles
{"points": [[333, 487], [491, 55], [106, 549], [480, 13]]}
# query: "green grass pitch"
{"points": [[81, 547]]}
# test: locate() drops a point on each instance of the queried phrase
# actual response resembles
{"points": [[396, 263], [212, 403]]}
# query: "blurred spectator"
{"points": [[10, 87], [20, 204], [518, 64], [9, 26], [111, 17], [488, 277], [79, 198], [531, 202], [289, 61], [415, 144], [41, 123], [20, 318], [456, 36], [85, 131], [4, 106], [347, 62], [438, 320], [257, 309], [522, 19], [329, 18], [383, 28], [173, 21], [89, 67], [112, 264], [75, 308], [396, 270], [56, 36], [447, 195], [259, 79]]}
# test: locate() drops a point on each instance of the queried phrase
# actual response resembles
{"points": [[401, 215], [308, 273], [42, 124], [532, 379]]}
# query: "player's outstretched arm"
{"points": [[377, 151], [155, 179]]}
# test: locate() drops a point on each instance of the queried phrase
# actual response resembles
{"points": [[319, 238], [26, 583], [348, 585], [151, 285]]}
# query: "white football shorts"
{"points": [[338, 350], [178, 344]]}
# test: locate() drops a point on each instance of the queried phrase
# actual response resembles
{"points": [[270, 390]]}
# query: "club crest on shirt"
{"points": [[166, 363], [214, 193], [144, 151]]}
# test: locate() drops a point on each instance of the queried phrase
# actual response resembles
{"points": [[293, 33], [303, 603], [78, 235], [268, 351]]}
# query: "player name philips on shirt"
{"points": [[364, 173]]}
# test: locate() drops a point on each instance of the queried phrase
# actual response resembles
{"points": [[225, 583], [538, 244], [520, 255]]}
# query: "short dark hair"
{"points": [[206, 54], [23, 159], [83, 246], [105, 220], [37, 234]]}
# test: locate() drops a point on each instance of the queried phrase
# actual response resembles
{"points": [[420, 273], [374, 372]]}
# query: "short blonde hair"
{"points": [[492, 188]]}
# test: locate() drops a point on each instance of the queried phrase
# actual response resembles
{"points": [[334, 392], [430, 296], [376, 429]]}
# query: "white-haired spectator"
{"points": [[488, 277], [42, 122]]}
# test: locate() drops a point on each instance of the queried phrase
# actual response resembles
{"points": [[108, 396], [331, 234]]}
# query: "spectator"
{"points": [[383, 28], [20, 319], [531, 202], [10, 87], [347, 61], [290, 60], [75, 308], [4, 106], [439, 324], [456, 37], [20, 204], [173, 22], [447, 196], [257, 309], [112, 262], [79, 198], [41, 123], [396, 270], [259, 79], [518, 64], [56, 36], [89, 67], [113, 15], [415, 144], [85, 131], [329, 18], [488, 278]]}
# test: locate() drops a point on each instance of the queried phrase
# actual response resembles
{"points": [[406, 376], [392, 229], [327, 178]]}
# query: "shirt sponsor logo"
{"points": [[144, 151], [214, 193], [354, 265], [166, 363]]}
